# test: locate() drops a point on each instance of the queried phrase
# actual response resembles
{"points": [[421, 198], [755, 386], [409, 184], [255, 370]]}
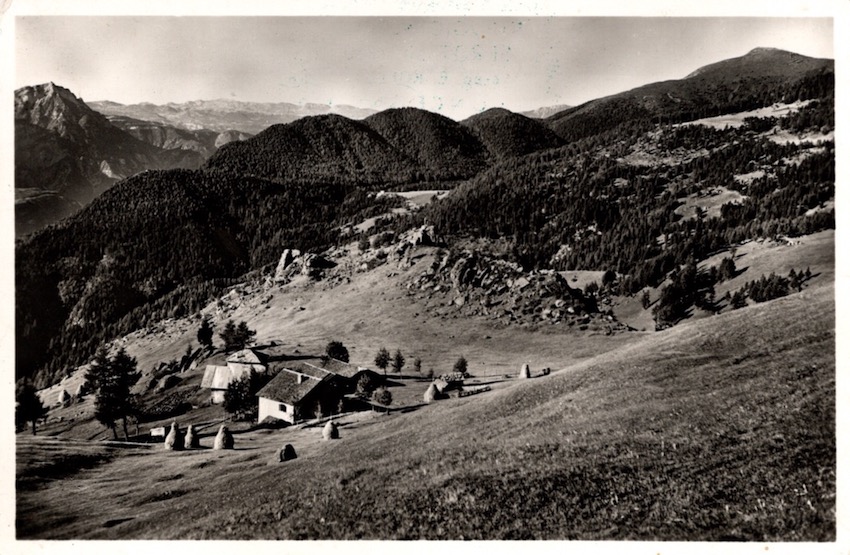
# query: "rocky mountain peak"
{"points": [[55, 108]]}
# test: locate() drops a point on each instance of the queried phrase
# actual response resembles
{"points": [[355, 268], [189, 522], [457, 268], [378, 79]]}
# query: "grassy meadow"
{"points": [[717, 429]]}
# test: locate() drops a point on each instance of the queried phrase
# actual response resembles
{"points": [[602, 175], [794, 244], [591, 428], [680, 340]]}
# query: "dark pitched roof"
{"points": [[300, 367], [339, 368], [284, 388]]}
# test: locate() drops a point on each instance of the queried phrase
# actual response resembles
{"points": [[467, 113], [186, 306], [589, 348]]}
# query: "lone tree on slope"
{"points": [[398, 361], [29, 407], [382, 359]]}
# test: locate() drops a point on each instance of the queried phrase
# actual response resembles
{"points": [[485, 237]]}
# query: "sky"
{"points": [[456, 66]]}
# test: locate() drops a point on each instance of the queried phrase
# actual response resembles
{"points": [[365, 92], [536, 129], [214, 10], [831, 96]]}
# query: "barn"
{"points": [[217, 377]]}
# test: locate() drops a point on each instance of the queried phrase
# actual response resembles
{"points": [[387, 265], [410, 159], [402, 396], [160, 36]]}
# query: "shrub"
{"points": [[365, 386], [335, 349], [382, 396], [461, 366]]}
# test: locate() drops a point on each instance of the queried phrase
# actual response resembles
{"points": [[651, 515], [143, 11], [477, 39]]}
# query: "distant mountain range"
{"points": [[66, 154], [225, 115], [202, 141]]}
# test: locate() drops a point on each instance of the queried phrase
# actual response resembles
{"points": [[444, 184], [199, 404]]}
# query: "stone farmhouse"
{"points": [[303, 390]]}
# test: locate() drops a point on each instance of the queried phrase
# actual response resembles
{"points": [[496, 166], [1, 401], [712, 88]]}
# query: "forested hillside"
{"points": [[320, 148], [160, 245], [444, 149], [760, 78], [604, 203], [506, 134]]}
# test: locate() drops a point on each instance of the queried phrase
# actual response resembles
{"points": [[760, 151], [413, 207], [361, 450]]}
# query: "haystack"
{"points": [[330, 431], [192, 441], [174, 441], [223, 439], [286, 453], [81, 391], [432, 393], [64, 398], [525, 371]]}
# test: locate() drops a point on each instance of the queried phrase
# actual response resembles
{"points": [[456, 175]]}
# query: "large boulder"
{"points": [[287, 258], [312, 261], [223, 439], [167, 382], [286, 453], [423, 236]]}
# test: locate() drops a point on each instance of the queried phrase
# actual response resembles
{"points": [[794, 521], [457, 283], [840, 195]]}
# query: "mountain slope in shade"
{"points": [[66, 154], [757, 79], [329, 148], [203, 141], [506, 134], [225, 115], [443, 148]]}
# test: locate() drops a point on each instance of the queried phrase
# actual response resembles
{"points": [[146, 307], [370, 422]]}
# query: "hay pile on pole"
{"points": [[330, 431], [64, 398], [192, 439], [525, 371], [431, 393], [286, 453], [223, 439], [173, 441]]}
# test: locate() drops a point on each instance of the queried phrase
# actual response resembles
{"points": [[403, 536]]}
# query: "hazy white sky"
{"points": [[453, 65]]}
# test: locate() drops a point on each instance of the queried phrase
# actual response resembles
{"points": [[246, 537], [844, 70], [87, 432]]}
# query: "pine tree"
{"points": [[398, 361], [111, 380], [205, 332], [29, 407], [382, 359], [236, 337]]}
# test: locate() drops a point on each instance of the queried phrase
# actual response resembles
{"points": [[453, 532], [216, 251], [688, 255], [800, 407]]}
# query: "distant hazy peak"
{"points": [[545, 111]]}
